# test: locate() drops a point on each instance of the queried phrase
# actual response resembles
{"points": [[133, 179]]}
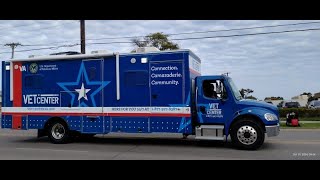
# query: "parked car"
{"points": [[315, 104], [291, 104]]}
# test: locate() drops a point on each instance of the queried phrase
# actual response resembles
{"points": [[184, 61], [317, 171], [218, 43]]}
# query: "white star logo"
{"points": [[82, 92]]}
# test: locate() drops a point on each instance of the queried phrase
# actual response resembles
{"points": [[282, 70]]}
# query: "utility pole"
{"points": [[13, 46], [83, 37]]}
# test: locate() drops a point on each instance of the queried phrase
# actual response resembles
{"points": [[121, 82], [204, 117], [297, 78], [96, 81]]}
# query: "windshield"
{"points": [[235, 90]]}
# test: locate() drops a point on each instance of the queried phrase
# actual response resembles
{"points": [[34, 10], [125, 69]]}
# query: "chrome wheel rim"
{"points": [[58, 131], [247, 135]]}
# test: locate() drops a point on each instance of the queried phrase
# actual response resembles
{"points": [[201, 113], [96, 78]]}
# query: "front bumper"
{"points": [[273, 130]]}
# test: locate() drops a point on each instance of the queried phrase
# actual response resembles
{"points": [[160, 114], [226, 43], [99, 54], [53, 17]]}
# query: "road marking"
{"points": [[294, 141], [301, 130], [59, 150]]}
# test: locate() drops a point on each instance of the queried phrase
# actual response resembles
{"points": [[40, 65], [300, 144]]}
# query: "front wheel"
{"points": [[247, 134], [58, 133]]}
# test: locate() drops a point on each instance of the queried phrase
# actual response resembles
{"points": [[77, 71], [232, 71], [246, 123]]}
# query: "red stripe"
{"points": [[149, 114], [99, 114], [17, 93], [51, 114], [194, 72]]}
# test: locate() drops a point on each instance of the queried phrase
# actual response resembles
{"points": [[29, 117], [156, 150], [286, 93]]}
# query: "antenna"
{"points": [[226, 73]]}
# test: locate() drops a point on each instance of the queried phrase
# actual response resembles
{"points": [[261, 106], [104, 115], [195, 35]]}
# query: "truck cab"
{"points": [[220, 110]]}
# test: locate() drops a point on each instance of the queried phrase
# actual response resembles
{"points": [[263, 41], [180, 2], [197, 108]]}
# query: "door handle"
{"points": [[202, 109]]}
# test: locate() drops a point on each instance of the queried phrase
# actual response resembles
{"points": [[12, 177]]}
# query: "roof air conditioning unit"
{"points": [[33, 56], [100, 52], [146, 49]]}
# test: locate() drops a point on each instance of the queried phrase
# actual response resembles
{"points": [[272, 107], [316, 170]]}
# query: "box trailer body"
{"points": [[153, 92]]}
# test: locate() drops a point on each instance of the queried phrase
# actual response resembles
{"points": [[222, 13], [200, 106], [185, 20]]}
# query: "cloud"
{"points": [[272, 65]]}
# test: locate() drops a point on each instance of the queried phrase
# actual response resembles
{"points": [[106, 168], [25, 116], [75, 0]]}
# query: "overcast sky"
{"points": [[284, 64]]}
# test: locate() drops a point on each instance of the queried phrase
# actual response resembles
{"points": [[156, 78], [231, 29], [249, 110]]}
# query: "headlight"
{"points": [[270, 117]]}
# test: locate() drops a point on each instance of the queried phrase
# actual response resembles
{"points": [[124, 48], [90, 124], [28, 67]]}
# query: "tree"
{"points": [[307, 93], [273, 98], [245, 92], [158, 40], [311, 99], [251, 97]]}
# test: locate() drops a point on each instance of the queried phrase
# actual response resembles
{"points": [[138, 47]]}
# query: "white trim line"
{"points": [[83, 56], [118, 74], [64, 57], [151, 110], [11, 81]]}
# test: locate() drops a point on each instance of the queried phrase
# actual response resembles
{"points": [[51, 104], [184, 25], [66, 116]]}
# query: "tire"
{"points": [[247, 134], [59, 133]]}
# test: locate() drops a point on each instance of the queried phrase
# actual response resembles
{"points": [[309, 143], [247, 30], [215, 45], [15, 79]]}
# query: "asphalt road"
{"points": [[290, 144]]}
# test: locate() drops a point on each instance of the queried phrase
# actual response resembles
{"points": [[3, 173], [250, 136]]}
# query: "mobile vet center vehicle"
{"points": [[145, 92]]}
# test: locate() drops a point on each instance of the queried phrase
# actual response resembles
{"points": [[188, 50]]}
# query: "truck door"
{"points": [[91, 95], [212, 103]]}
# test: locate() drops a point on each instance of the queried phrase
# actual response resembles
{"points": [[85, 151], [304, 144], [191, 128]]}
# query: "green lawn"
{"points": [[305, 119], [303, 126]]}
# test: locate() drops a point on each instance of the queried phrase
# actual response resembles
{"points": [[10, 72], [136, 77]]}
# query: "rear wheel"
{"points": [[58, 133], [247, 134]]}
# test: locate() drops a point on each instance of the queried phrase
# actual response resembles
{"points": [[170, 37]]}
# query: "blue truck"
{"points": [[65, 96]]}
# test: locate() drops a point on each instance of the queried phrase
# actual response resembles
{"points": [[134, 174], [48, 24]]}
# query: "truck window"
{"points": [[213, 89], [136, 78]]}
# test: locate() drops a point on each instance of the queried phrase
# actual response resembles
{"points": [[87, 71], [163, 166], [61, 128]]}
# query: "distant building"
{"points": [[317, 95], [274, 102], [302, 99]]}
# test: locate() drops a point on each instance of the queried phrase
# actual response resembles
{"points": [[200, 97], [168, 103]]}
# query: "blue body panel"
{"points": [[163, 81], [157, 93]]}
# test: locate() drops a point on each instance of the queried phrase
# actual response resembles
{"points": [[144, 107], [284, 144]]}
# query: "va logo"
{"points": [[22, 68], [33, 68]]}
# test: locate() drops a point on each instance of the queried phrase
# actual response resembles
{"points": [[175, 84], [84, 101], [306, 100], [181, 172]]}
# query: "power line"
{"points": [[53, 47], [222, 30], [224, 36], [250, 34], [37, 45], [183, 33], [209, 37], [256, 27]]}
